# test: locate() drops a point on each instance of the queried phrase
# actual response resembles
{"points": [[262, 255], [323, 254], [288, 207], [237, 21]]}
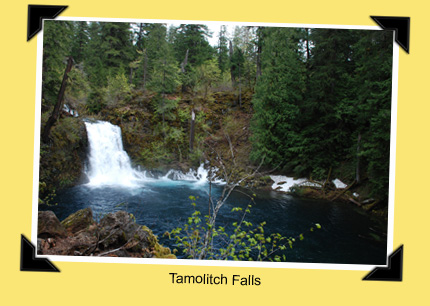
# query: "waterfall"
{"points": [[109, 164]]}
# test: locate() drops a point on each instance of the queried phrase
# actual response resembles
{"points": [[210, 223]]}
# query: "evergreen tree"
{"points": [[245, 40], [326, 133], [80, 40], [164, 78], [149, 37], [207, 74], [278, 94], [237, 62], [373, 108], [193, 37], [116, 46], [192, 49], [222, 49], [94, 59], [56, 48]]}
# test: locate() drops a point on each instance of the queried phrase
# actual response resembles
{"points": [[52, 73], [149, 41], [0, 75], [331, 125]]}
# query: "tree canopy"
{"points": [[321, 98]]}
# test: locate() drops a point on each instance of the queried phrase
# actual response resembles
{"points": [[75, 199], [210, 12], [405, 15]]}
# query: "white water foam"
{"points": [[284, 183], [109, 164], [199, 176]]}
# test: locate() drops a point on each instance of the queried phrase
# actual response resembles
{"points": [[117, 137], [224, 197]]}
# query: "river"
{"points": [[348, 235]]}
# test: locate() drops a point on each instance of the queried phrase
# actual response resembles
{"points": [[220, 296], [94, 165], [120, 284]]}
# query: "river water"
{"points": [[348, 235]]}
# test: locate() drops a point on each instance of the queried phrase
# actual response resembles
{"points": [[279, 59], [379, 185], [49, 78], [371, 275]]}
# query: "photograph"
{"points": [[187, 140]]}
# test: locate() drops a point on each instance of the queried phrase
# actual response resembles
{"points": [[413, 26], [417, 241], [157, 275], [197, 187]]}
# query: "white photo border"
{"points": [[190, 262]]}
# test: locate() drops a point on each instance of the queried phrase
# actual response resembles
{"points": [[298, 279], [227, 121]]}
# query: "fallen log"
{"points": [[344, 190], [369, 207], [354, 201]]}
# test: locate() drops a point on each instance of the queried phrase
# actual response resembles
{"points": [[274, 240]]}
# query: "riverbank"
{"points": [[331, 190], [115, 235]]}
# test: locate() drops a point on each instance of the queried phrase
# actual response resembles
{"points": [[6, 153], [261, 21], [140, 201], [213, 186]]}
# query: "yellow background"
{"points": [[120, 284]]}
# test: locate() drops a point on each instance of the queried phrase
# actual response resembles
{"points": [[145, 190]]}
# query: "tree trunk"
{"points": [[357, 173], [180, 153], [162, 97], [240, 89], [145, 68], [59, 105], [258, 74], [185, 62], [193, 117], [343, 191], [259, 43], [326, 181], [354, 201], [233, 80], [131, 76], [308, 56], [183, 70]]}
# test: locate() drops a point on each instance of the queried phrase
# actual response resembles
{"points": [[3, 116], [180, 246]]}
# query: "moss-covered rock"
{"points": [[62, 159], [116, 235], [119, 230], [80, 220], [157, 249]]}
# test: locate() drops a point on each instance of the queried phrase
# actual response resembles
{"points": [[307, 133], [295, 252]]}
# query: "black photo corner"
{"points": [[29, 262], [401, 26], [36, 14], [394, 271]]}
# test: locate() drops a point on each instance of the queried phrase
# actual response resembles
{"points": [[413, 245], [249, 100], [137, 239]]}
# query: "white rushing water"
{"points": [[200, 176], [109, 164], [285, 183]]}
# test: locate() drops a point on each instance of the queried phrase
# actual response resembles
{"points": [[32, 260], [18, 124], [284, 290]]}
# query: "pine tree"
{"points": [[192, 49], [373, 109], [80, 40], [95, 65], [278, 93], [222, 49], [56, 48], [193, 37], [164, 79], [116, 46], [326, 133]]}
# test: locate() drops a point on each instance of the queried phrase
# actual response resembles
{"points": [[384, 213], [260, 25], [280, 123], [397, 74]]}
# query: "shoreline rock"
{"points": [[116, 235]]}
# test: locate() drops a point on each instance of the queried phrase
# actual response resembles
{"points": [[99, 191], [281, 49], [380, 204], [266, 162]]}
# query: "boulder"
{"points": [[80, 220], [119, 229], [81, 243], [40, 243], [49, 226], [117, 234]]}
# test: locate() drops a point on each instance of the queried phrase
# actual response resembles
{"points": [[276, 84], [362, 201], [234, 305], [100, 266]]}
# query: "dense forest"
{"points": [[303, 102]]}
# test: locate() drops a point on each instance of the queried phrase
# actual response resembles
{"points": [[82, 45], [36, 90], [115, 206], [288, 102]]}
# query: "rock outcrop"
{"points": [[49, 226], [116, 235], [80, 220], [62, 159]]}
